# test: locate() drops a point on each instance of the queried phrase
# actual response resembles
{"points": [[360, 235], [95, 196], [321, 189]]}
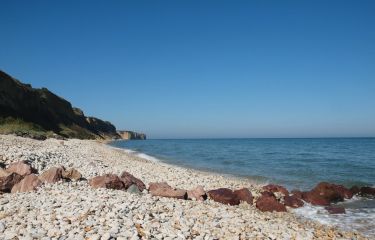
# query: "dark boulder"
{"points": [[244, 195], [355, 190], [292, 201], [224, 196], [268, 194], [367, 191], [315, 199], [266, 203], [343, 191], [325, 193], [297, 194]]}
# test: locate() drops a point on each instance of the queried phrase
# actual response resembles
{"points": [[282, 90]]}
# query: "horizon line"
{"points": [[218, 138]]}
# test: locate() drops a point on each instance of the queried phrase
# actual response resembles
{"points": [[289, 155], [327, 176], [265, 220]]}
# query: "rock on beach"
{"points": [[110, 181], [129, 180], [52, 175], [29, 183], [164, 190], [8, 181], [21, 168], [269, 203], [72, 174], [224, 196]]}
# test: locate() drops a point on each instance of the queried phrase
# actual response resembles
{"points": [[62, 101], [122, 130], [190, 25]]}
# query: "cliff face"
{"points": [[129, 135], [48, 111]]}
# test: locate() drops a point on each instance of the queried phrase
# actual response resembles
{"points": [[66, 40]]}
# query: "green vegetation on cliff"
{"points": [[40, 113]]}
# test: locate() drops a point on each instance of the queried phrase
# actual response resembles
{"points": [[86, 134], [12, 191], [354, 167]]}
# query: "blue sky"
{"points": [[181, 69]]}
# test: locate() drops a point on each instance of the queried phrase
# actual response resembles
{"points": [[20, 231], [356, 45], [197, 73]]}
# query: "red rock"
{"points": [[367, 191], [325, 193], [52, 175], [276, 188], [292, 201], [197, 193], [129, 180], [29, 183], [269, 204], [7, 182], [156, 185], [244, 195], [110, 181], [343, 191], [164, 190], [22, 168], [224, 195], [297, 194], [355, 190], [332, 192], [335, 210], [268, 194], [72, 174], [315, 199]]}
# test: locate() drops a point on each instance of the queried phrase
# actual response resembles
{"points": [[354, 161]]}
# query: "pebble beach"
{"points": [[75, 210]]}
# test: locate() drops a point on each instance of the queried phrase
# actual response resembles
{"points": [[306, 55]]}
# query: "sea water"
{"points": [[294, 163]]}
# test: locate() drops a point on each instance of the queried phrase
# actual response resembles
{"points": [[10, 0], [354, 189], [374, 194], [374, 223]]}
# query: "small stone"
{"points": [[10, 235], [2, 227], [105, 236], [133, 189], [94, 237], [335, 210]]}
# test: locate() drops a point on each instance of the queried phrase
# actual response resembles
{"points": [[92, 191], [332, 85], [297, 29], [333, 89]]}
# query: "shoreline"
{"points": [[121, 214], [152, 159], [308, 209]]}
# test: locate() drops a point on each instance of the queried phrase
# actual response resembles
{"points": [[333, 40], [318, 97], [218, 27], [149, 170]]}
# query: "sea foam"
{"points": [[355, 219]]}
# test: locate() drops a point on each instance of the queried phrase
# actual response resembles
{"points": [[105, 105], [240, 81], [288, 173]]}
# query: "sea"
{"points": [[296, 163]]}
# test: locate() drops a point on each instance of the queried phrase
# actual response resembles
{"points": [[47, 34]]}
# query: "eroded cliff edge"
{"points": [[130, 135], [25, 110]]}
